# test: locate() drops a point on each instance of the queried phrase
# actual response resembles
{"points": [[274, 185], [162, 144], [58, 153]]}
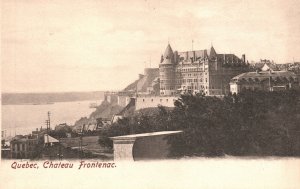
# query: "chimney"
{"points": [[176, 56], [194, 56], [141, 76], [244, 58]]}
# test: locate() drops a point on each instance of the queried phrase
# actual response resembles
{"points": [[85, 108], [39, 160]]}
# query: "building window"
{"points": [[143, 100]]}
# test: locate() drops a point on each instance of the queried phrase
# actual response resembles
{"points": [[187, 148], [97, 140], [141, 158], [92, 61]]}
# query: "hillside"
{"points": [[150, 78], [105, 110]]}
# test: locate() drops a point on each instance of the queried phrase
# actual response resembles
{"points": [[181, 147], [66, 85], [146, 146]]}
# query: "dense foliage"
{"points": [[251, 123]]}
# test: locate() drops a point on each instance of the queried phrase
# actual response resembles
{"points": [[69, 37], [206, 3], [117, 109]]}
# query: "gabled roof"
{"points": [[266, 68], [49, 139]]}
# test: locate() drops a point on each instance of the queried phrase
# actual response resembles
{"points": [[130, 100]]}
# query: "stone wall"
{"points": [[150, 102], [151, 148], [144, 146], [123, 100], [123, 150]]}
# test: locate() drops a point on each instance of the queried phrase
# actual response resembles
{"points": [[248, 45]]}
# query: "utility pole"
{"points": [[80, 152], [48, 127], [49, 118], [270, 77]]}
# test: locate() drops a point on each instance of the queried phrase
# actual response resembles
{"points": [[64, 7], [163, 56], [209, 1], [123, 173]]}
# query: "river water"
{"points": [[22, 119]]}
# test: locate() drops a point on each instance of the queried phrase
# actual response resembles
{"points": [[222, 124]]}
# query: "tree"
{"points": [[2, 142], [251, 123]]}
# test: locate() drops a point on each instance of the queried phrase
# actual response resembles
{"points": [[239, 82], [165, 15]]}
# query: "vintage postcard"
{"points": [[150, 94]]}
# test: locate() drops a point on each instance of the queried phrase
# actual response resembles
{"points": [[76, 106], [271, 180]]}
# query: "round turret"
{"points": [[167, 73]]}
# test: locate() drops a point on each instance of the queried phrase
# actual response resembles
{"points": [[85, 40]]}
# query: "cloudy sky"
{"points": [[89, 45]]}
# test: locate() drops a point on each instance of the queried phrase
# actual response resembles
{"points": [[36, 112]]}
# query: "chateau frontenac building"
{"points": [[201, 71]]}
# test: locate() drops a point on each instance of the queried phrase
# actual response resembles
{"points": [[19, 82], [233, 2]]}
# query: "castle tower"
{"points": [[212, 52], [212, 56], [167, 73]]}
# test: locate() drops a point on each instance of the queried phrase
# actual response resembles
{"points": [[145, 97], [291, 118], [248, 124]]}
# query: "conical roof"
{"points": [[168, 52], [212, 52], [168, 55]]}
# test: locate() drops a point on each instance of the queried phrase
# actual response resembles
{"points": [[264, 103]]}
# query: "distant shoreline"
{"points": [[49, 98]]}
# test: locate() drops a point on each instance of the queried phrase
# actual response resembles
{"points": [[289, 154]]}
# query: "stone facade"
{"points": [[202, 71], [111, 97], [123, 149], [154, 101], [123, 100], [144, 146], [23, 148]]}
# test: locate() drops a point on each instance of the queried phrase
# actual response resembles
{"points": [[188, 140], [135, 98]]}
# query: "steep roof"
{"points": [[168, 55], [49, 139], [212, 52], [168, 52], [266, 68]]}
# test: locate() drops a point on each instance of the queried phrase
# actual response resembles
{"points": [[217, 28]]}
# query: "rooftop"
{"points": [[265, 74]]}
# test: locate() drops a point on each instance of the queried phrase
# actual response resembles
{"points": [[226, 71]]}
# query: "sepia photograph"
{"points": [[150, 94]]}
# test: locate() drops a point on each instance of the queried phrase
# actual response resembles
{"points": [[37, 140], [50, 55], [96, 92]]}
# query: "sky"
{"points": [[91, 45]]}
